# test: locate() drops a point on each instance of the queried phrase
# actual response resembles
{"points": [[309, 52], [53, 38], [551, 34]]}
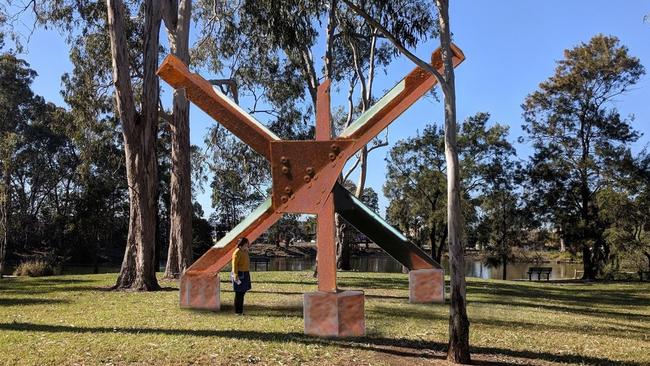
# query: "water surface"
{"points": [[381, 263]]}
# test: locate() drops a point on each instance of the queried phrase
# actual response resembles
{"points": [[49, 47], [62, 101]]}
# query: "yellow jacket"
{"points": [[240, 262]]}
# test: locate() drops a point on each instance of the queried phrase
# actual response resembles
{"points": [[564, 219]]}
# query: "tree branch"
{"points": [[400, 47]]}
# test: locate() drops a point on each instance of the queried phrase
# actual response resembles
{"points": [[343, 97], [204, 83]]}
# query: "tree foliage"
{"points": [[580, 140]]}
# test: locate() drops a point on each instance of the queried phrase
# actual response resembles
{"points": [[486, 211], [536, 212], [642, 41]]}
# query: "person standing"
{"points": [[240, 274]]}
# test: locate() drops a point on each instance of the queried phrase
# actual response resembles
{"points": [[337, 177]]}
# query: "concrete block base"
{"points": [[427, 286], [200, 292], [334, 314]]}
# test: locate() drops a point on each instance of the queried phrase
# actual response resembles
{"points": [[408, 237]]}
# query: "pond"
{"points": [[381, 263]]}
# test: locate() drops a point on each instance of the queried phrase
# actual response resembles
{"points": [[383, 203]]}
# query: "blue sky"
{"points": [[511, 46]]}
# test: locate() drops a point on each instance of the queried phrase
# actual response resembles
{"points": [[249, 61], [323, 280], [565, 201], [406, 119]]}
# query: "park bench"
{"points": [[540, 271]]}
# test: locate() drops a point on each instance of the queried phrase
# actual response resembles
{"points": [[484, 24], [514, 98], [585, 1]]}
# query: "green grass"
{"points": [[71, 320]]}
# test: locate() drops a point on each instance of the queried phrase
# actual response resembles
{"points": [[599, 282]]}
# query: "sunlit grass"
{"points": [[71, 320]]}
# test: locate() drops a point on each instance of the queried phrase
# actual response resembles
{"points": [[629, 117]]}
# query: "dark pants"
{"points": [[239, 302]]}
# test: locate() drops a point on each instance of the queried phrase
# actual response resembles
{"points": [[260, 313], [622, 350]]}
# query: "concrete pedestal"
{"points": [[200, 292], [427, 286], [334, 314]]}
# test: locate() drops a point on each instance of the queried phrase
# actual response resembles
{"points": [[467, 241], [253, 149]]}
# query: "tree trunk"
{"points": [[179, 255], [5, 200], [140, 132], [587, 251], [458, 351], [343, 246], [432, 240], [363, 165], [504, 261], [441, 244]]}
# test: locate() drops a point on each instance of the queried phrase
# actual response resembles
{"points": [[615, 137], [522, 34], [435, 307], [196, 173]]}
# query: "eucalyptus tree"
{"points": [[139, 126], [392, 27], [502, 221], [416, 179], [16, 106], [177, 16], [580, 141]]}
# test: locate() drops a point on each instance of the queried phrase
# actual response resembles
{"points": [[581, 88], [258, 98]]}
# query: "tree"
{"points": [[580, 140], [140, 133], [502, 218], [15, 111], [416, 179], [458, 348], [624, 205], [416, 189], [176, 15]]}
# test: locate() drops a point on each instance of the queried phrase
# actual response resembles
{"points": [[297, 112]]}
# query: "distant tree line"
{"points": [[63, 187], [582, 184]]}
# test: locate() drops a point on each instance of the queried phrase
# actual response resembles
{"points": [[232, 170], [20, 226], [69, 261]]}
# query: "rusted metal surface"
{"points": [[216, 258], [323, 113], [416, 84], [326, 249], [305, 172], [227, 113]]}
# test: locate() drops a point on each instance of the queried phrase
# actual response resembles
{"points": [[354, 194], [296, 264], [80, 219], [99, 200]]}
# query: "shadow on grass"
{"points": [[349, 281], [575, 295], [41, 281], [276, 311], [296, 293], [394, 346], [24, 301], [585, 309], [361, 282]]}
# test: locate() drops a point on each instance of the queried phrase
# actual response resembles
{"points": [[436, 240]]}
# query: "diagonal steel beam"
{"points": [[305, 172], [254, 225], [416, 84], [218, 106]]}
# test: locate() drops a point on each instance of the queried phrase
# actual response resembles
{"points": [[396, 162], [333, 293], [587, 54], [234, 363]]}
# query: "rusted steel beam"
{"points": [[251, 228], [326, 247], [323, 114], [416, 84], [304, 172], [218, 106]]}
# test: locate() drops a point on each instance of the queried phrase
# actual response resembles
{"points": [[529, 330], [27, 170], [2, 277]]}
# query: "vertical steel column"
{"points": [[326, 229]]}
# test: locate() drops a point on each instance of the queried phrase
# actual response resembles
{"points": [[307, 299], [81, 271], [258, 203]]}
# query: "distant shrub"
{"points": [[34, 268]]}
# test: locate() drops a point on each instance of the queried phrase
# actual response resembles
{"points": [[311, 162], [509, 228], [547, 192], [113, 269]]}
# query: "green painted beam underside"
{"points": [[237, 230], [372, 111], [377, 218], [391, 240]]}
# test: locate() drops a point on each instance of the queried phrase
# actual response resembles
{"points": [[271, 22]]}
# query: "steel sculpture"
{"points": [[304, 180]]}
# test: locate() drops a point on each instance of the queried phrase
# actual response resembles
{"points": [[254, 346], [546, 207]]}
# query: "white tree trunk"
{"points": [[458, 350]]}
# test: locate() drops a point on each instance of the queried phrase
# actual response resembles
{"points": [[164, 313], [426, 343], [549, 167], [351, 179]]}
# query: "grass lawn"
{"points": [[71, 320]]}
